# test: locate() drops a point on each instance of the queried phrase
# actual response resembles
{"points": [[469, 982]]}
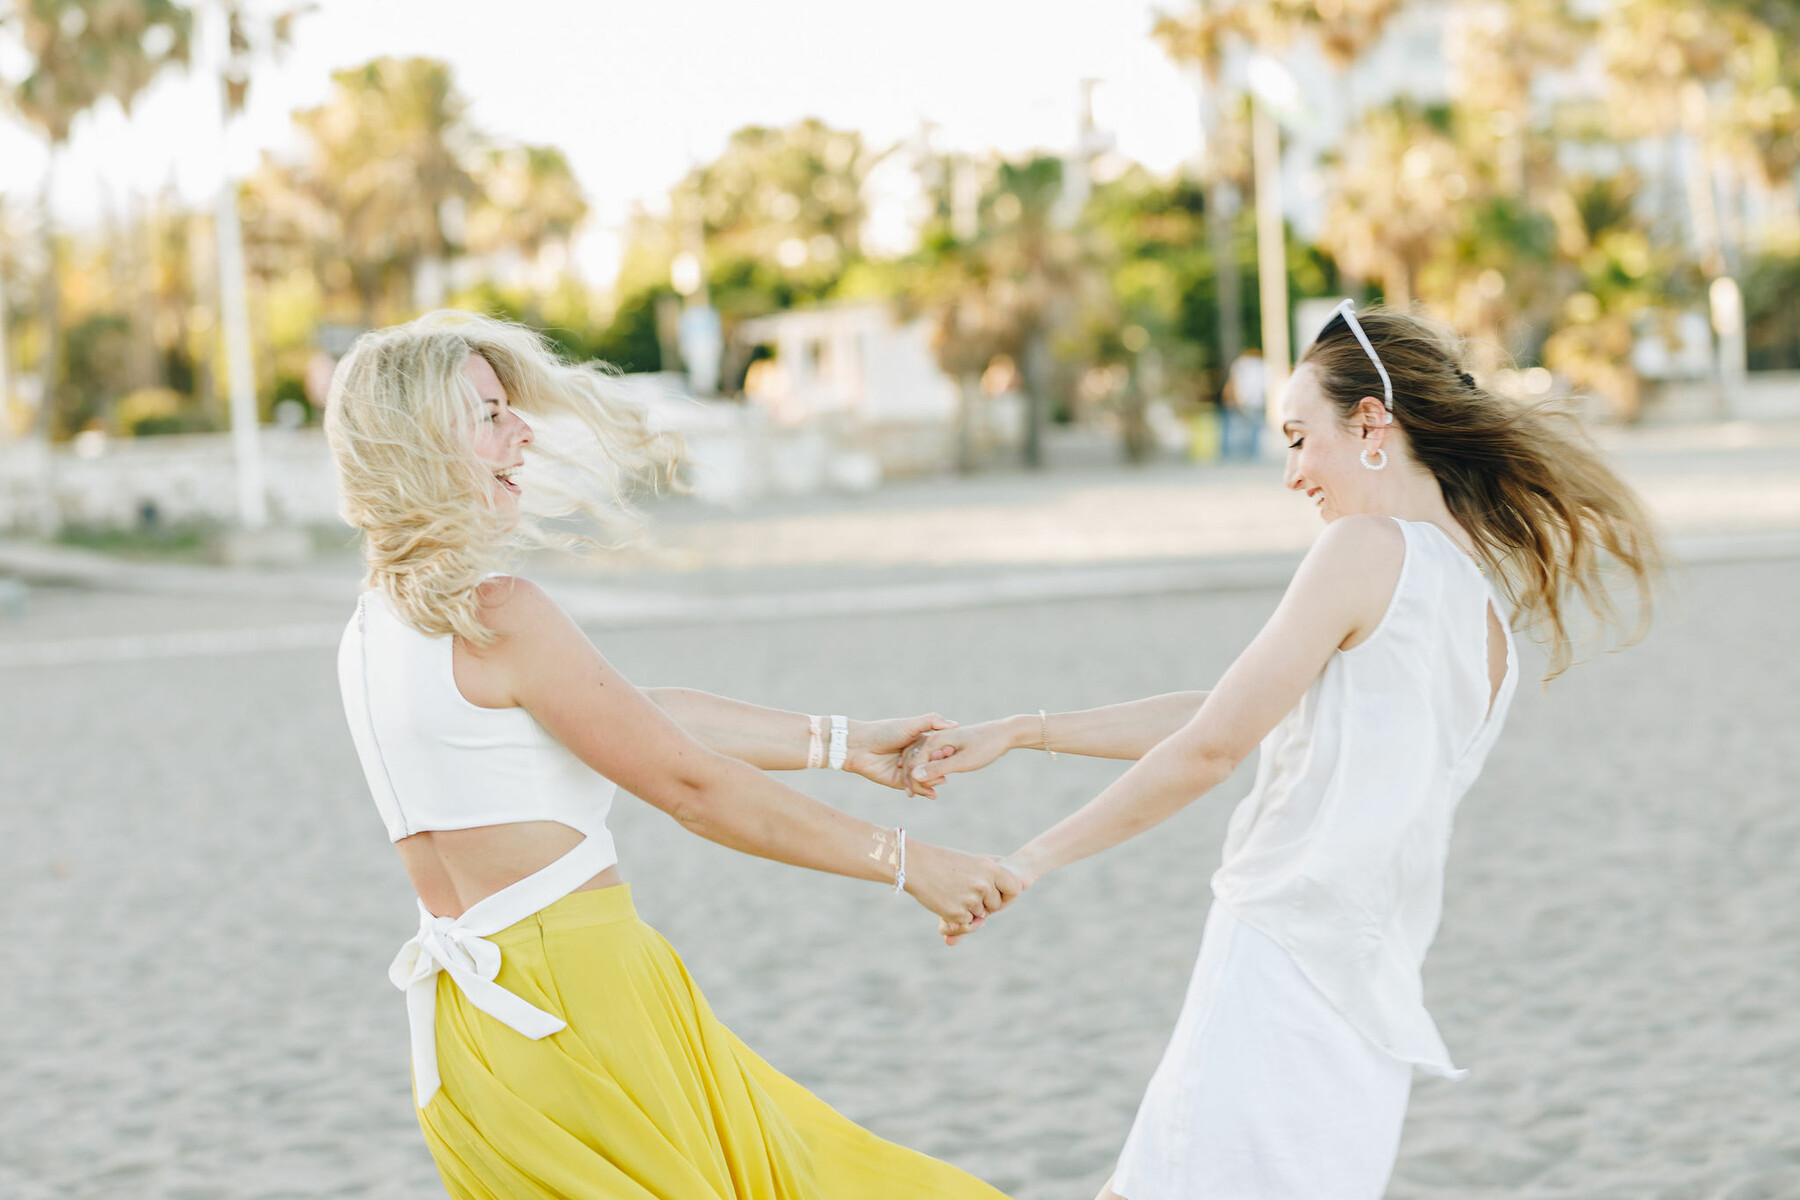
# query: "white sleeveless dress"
{"points": [[1289, 1071]]}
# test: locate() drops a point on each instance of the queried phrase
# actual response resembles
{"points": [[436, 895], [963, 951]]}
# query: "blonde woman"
{"points": [[559, 1046], [1375, 691]]}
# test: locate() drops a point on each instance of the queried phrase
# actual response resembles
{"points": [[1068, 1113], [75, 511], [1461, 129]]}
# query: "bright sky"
{"points": [[634, 92]]}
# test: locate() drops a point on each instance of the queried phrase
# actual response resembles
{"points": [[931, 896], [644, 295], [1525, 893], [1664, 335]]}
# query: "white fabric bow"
{"points": [[459, 947], [442, 944]]}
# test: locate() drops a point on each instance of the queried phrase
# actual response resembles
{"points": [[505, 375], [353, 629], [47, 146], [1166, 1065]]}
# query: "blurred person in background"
{"points": [[1375, 691], [559, 1046], [1244, 405]]}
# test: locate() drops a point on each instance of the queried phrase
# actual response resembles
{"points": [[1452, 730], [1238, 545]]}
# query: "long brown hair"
{"points": [[1547, 513]]}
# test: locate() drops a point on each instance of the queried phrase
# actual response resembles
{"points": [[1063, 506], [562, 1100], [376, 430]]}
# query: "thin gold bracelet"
{"points": [[1044, 729]]}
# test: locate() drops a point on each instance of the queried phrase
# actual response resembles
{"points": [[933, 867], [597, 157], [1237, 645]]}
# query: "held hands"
{"points": [[962, 889], [917, 754], [1022, 873], [943, 752], [878, 751]]}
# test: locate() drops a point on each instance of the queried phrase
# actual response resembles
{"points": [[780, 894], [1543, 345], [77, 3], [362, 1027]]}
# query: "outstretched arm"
{"points": [[1126, 730], [775, 740], [1337, 597], [543, 663]]}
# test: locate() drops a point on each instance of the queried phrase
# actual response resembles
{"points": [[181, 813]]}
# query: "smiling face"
{"points": [[501, 435], [1324, 450]]}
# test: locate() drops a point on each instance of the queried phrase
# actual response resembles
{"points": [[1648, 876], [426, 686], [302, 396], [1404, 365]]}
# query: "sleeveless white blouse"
{"points": [[1338, 852], [434, 761]]}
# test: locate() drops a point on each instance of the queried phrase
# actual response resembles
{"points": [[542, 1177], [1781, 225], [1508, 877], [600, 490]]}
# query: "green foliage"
{"points": [[96, 368], [1162, 277], [158, 410], [1771, 287], [629, 341], [83, 51], [387, 157]]}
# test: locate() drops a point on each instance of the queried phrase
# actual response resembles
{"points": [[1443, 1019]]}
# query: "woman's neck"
{"points": [[1416, 495]]}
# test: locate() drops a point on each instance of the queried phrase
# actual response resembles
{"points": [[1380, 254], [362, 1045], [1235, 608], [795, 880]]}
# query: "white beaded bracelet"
{"points": [[815, 744], [840, 741]]}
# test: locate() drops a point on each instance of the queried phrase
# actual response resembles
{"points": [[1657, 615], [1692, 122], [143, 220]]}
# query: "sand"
{"points": [[203, 906]]}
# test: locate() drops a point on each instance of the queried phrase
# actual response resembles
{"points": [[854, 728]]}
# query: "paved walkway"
{"points": [[1724, 492]]}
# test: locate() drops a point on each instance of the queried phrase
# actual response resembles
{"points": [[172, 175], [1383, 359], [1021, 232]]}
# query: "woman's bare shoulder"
{"points": [[1353, 568], [514, 607], [1359, 546]]}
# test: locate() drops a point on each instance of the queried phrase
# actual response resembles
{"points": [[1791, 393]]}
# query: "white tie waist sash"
{"points": [[458, 946]]}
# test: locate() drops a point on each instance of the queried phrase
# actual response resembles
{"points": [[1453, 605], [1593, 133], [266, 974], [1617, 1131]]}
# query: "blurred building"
{"points": [[861, 374]]}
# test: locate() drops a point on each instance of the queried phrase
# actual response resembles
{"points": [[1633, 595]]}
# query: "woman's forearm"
{"points": [[767, 738], [1163, 782], [1128, 730], [745, 810]]}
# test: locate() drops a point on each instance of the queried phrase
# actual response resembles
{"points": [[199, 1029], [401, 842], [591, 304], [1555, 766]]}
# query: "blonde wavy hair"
{"points": [[1549, 515], [400, 418]]}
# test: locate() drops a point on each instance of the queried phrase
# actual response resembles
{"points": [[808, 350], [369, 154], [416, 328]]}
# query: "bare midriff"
{"points": [[452, 869]]}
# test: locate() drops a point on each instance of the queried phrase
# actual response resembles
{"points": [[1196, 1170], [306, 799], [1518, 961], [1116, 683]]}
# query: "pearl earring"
{"points": [[1380, 456]]}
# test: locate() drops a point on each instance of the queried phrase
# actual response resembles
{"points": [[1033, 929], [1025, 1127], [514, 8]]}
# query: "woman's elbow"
{"points": [[693, 796], [1212, 762]]}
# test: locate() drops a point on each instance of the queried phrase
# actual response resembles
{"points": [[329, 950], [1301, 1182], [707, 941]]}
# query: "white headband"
{"points": [[1347, 310]]}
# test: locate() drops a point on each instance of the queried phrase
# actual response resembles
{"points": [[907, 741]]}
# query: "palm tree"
{"points": [[1687, 69], [1198, 37], [1344, 30], [377, 201], [779, 213], [82, 52], [528, 199], [1006, 291]]}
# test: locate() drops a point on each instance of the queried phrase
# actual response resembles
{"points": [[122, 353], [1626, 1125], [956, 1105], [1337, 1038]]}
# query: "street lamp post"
{"points": [[1275, 96], [234, 313], [1271, 254]]}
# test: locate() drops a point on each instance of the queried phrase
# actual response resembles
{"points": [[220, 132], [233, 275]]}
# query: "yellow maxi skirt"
{"points": [[645, 1095]]}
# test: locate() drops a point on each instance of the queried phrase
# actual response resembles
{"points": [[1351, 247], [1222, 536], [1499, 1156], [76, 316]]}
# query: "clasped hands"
{"points": [[916, 755]]}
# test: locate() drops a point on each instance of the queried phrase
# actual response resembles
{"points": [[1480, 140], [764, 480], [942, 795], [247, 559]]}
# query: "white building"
{"points": [[858, 372]]}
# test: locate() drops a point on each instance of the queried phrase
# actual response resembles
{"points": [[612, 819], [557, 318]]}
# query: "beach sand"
{"points": [[203, 906]]}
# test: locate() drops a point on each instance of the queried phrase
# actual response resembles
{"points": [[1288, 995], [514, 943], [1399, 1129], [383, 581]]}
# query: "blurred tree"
{"points": [[776, 221], [791, 197], [630, 340], [1206, 36], [82, 52], [1343, 29], [1620, 280], [377, 204], [1770, 286], [1198, 37], [1715, 82], [1398, 197], [98, 370], [1499, 50], [527, 200], [1007, 290], [1422, 205]]}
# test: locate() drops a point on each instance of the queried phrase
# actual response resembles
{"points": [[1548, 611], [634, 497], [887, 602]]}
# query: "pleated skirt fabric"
{"points": [[1265, 1091], [645, 1095]]}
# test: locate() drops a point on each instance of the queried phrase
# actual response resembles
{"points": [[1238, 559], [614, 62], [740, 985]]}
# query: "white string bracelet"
{"points": [[840, 741], [900, 870], [1044, 729], [815, 745]]}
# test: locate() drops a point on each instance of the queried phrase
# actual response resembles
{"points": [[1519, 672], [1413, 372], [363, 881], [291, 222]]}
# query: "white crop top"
{"points": [[436, 761]]}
